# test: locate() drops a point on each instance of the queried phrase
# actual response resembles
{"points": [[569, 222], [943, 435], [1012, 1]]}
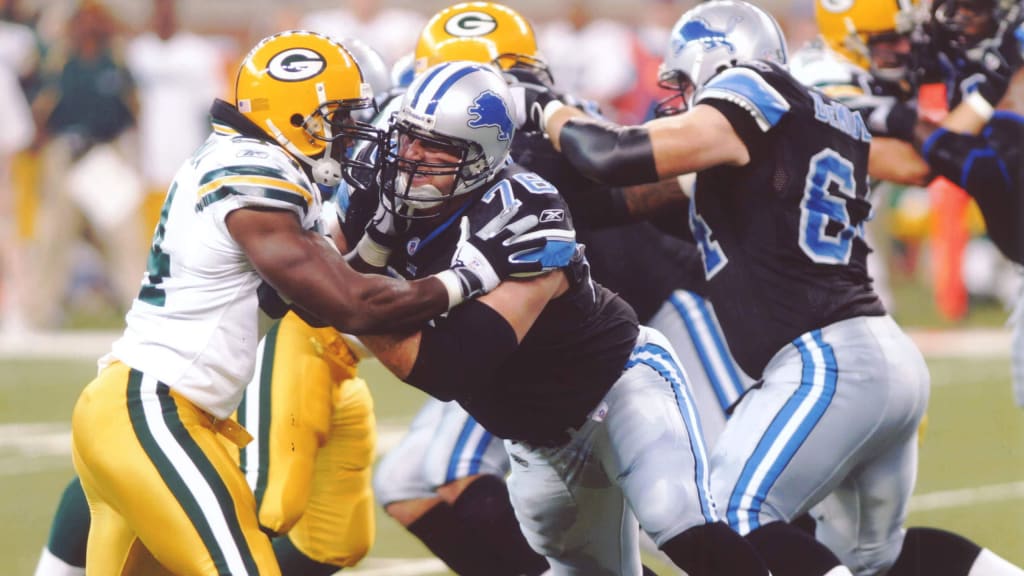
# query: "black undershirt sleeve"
{"points": [[461, 351]]}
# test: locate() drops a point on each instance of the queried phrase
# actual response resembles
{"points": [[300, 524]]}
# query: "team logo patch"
{"points": [[698, 30], [552, 215], [412, 245], [295, 64], [251, 154], [488, 109], [837, 6], [470, 24]]}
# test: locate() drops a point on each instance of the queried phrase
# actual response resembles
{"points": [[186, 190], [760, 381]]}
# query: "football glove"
{"points": [[531, 96], [381, 236]]}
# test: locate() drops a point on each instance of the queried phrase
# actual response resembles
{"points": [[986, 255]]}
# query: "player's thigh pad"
{"points": [[287, 407], [833, 402], [150, 462], [338, 525], [651, 442], [570, 511], [716, 381]]}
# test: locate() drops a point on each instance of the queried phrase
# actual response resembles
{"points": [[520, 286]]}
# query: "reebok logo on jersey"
{"points": [[489, 109], [552, 215], [698, 30]]}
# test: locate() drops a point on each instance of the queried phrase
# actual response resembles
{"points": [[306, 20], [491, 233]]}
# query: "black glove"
{"points": [[381, 237], [986, 72], [531, 94], [885, 116], [496, 252]]}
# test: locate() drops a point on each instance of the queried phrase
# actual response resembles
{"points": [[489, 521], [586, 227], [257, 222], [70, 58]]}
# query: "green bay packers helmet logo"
{"points": [[837, 6], [470, 24], [295, 64]]}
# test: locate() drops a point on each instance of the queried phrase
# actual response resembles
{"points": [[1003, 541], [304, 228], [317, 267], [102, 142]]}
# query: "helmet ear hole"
{"points": [[296, 120]]}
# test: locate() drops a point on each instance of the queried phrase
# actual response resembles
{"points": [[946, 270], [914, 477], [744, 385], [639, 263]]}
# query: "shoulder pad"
{"points": [[746, 86], [251, 168]]}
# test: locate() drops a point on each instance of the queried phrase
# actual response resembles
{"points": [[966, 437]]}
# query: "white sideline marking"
{"points": [[967, 497], [397, 567], [90, 345], [26, 448]]}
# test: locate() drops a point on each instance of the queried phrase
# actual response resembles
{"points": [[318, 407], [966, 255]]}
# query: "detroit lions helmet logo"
{"points": [[698, 30], [489, 109]]}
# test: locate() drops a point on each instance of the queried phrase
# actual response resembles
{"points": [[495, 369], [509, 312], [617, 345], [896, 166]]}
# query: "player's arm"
{"points": [[894, 160], [473, 341], [305, 269], [662, 148]]}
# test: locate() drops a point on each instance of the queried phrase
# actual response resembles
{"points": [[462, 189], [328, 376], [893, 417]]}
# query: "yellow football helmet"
{"points": [[300, 88], [849, 25], [479, 32]]}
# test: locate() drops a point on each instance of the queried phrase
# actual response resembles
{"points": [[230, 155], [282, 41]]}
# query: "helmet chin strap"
{"points": [[325, 170]]}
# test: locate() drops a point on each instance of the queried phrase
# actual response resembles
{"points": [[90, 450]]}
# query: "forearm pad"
{"points": [[989, 171], [616, 155], [462, 351]]}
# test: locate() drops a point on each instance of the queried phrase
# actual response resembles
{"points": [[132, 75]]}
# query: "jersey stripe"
{"points": [[788, 431], [747, 89], [460, 445], [255, 414], [710, 346], [191, 477], [662, 362], [245, 180]]}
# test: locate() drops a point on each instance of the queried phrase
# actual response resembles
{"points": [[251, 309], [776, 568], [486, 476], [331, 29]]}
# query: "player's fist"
{"points": [[531, 94]]}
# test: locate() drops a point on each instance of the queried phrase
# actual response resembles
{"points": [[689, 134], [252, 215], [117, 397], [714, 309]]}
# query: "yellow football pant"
{"points": [[311, 461], [161, 486]]}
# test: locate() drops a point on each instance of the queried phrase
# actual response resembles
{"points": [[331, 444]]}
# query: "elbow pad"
{"points": [[462, 351], [616, 155]]}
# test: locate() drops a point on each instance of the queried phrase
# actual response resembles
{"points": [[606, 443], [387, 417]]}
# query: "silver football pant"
{"points": [[837, 414], [638, 460]]}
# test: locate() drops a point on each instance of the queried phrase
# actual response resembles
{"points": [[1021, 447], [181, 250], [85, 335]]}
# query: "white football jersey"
{"points": [[193, 325]]}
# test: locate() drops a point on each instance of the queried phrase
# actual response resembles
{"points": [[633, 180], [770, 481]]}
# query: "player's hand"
{"points": [[501, 249], [885, 116], [381, 236], [987, 74], [530, 94]]}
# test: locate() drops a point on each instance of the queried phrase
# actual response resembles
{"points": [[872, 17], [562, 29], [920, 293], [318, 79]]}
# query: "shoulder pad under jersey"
{"points": [[750, 85]]}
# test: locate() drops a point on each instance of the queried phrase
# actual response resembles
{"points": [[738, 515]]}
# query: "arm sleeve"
{"points": [[461, 351]]}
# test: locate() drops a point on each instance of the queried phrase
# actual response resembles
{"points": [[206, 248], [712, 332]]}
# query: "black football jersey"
{"points": [[637, 260], [782, 238], [575, 350]]}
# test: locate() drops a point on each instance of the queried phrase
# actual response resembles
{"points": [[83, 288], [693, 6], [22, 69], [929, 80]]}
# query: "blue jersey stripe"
{"points": [[751, 88]]}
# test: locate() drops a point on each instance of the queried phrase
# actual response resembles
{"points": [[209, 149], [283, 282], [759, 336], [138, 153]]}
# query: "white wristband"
{"points": [[453, 285], [549, 110], [687, 183], [373, 253], [980, 106]]}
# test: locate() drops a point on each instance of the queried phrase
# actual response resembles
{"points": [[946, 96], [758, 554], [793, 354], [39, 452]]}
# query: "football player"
{"points": [[446, 451], [778, 213], [598, 421], [242, 211]]}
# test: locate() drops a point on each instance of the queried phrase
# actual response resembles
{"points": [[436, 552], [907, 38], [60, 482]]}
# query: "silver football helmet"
{"points": [[375, 71], [462, 107], [710, 38]]}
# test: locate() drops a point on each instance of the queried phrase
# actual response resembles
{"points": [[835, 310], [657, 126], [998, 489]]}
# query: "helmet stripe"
{"points": [[427, 81], [458, 75]]}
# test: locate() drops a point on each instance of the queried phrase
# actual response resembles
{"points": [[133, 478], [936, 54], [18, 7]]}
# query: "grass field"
{"points": [[971, 469]]}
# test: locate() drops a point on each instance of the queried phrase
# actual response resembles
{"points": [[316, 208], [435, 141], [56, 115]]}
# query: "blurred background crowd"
{"points": [[100, 101]]}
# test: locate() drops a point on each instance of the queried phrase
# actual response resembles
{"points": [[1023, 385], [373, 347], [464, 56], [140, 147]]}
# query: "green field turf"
{"points": [[971, 472]]}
